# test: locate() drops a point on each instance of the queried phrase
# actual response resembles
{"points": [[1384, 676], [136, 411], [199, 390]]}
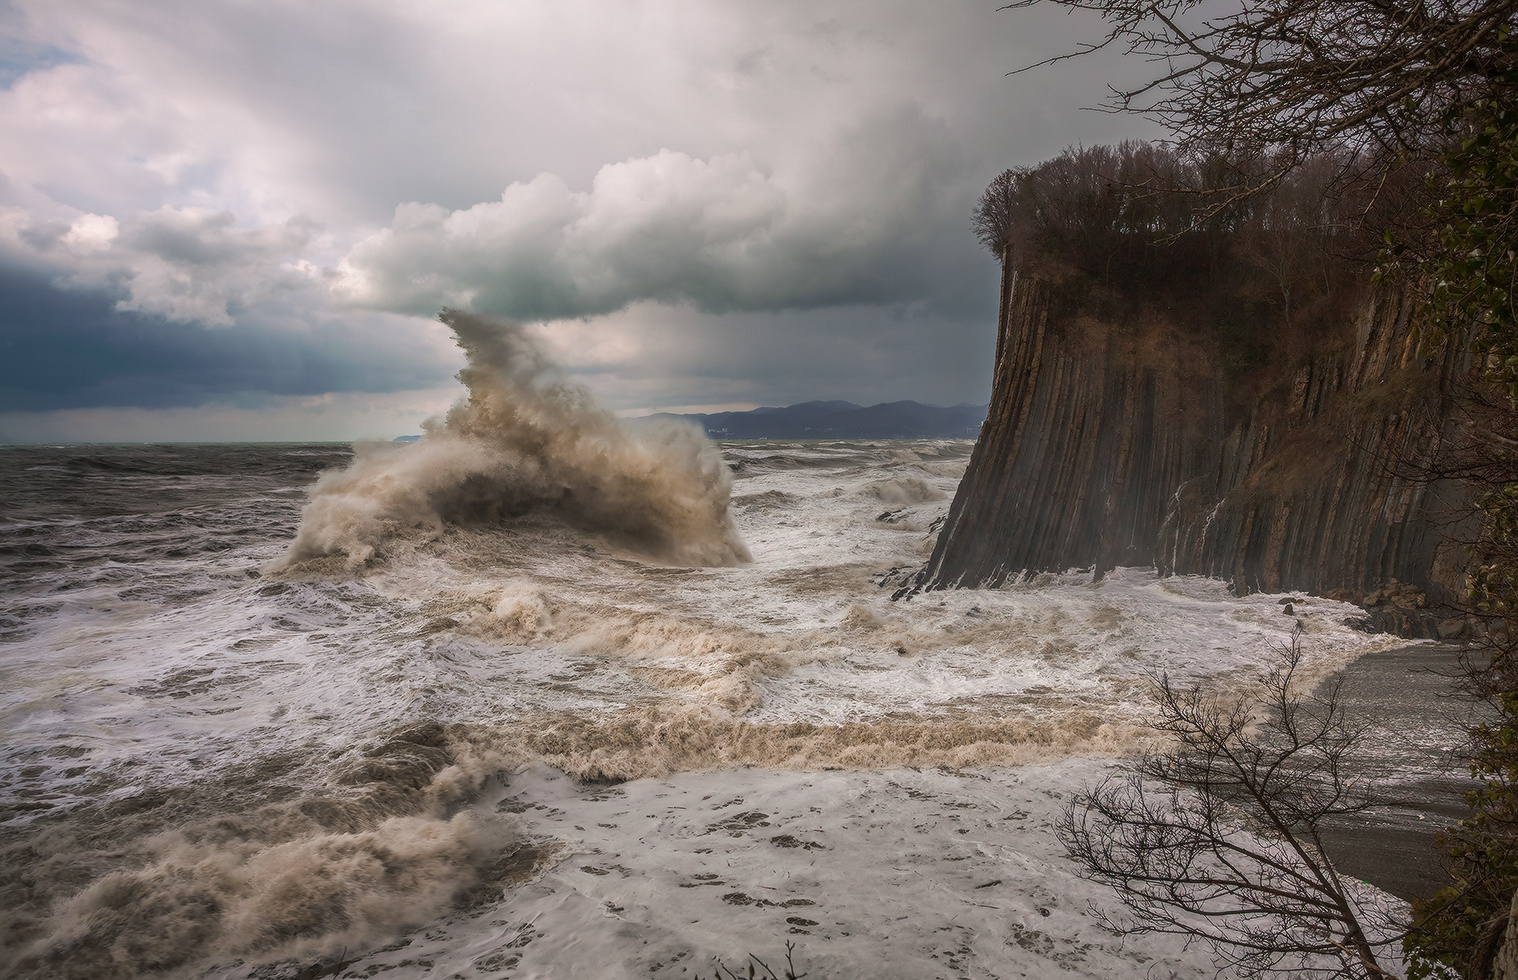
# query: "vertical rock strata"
{"points": [[1128, 442]]}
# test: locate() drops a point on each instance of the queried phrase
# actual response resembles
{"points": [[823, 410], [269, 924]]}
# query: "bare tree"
{"points": [[1301, 75], [1220, 837], [995, 215]]}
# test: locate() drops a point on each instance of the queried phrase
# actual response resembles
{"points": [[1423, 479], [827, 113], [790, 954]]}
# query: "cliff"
{"points": [[1135, 433]]}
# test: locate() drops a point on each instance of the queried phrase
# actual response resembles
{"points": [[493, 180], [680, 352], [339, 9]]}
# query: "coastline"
{"points": [[1415, 732]]}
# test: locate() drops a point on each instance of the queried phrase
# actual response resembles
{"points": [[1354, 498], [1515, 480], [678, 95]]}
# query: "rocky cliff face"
{"points": [[1128, 439]]}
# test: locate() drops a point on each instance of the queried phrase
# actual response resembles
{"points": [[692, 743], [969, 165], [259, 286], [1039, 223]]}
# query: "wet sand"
{"points": [[1414, 750]]}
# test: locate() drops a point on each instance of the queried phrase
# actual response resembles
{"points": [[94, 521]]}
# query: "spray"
{"points": [[526, 441]]}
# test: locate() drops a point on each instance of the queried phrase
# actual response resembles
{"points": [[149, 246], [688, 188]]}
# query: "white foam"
{"points": [[541, 640], [896, 874]]}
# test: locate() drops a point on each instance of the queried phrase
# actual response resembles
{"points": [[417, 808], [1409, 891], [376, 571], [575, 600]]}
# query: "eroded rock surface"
{"points": [[1127, 438]]}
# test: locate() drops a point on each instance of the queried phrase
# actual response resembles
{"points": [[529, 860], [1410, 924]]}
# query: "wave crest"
{"points": [[525, 440]]}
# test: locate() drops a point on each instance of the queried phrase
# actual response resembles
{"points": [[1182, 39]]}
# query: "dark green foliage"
{"points": [[1474, 272], [1475, 269]]}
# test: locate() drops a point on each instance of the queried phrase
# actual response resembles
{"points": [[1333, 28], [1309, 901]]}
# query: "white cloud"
{"points": [[779, 160], [196, 264], [866, 225], [185, 264], [91, 233]]}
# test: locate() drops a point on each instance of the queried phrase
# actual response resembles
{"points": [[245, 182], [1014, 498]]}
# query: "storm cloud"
{"points": [[872, 224], [63, 349], [693, 202], [182, 264]]}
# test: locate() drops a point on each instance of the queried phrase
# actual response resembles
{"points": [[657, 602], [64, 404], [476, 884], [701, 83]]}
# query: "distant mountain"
{"points": [[843, 420]]}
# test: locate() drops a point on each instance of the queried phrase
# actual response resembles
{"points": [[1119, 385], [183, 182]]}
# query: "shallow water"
{"points": [[523, 746]]}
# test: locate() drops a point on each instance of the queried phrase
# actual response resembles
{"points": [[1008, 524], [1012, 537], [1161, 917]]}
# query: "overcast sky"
{"points": [[237, 220]]}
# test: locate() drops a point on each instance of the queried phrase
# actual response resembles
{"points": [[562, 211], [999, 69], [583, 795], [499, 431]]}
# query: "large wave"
{"points": [[245, 865], [525, 440]]}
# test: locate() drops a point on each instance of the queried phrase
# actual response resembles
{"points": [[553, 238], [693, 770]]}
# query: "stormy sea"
{"points": [[548, 693]]}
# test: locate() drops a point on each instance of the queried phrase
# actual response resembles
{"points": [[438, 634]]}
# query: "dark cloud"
{"points": [[764, 200], [73, 349], [877, 217]]}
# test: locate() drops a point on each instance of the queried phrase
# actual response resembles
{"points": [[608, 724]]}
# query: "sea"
{"points": [[548, 693]]}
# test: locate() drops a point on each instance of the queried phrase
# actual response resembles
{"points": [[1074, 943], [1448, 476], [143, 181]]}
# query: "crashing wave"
{"points": [[525, 440]]}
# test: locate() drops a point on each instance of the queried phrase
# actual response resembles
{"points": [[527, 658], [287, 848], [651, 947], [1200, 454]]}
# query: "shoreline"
{"points": [[1415, 729]]}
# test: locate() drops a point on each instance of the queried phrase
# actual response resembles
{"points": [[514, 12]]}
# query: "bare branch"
{"points": [[1219, 839]]}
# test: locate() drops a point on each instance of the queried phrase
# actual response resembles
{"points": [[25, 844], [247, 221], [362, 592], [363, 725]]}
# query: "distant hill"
{"points": [[843, 420]]}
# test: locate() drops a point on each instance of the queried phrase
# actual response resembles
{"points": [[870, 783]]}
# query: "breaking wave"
{"points": [[389, 844], [654, 742], [525, 440], [210, 774]]}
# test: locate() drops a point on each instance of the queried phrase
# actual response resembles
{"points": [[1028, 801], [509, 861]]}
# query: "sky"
{"points": [[238, 219]]}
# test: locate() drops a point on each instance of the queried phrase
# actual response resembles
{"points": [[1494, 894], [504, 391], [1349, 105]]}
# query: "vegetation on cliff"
{"points": [[1279, 272], [1474, 269], [1170, 374], [1434, 84]]}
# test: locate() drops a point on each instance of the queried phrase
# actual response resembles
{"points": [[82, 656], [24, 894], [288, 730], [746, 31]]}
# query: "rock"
{"points": [[1450, 629], [1505, 963], [1114, 438], [1409, 597]]}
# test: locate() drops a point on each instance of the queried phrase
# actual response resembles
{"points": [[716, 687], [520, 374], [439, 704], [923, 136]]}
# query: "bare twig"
{"points": [[1220, 838]]}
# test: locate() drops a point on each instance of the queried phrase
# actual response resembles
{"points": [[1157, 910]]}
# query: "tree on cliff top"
{"points": [[1154, 224], [1099, 199]]}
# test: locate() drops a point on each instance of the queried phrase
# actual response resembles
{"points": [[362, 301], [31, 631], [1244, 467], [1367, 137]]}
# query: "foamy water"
{"points": [[531, 744]]}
